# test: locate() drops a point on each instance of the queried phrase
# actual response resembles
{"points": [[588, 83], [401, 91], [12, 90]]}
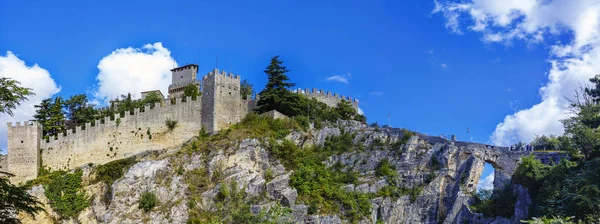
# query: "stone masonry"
{"points": [[105, 140]]}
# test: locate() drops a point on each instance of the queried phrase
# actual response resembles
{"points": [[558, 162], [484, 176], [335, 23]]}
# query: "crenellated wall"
{"points": [[329, 98], [220, 106], [223, 88], [106, 141]]}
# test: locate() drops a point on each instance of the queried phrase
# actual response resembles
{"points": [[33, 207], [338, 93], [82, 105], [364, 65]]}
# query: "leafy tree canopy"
{"points": [[246, 89], [191, 90], [11, 95]]}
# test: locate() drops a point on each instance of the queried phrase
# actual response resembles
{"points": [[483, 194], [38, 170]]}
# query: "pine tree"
{"points": [[276, 95], [50, 114]]}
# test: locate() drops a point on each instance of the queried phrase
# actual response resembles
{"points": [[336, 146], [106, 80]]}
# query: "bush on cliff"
{"points": [[66, 194], [500, 203], [566, 189], [147, 201], [110, 172], [318, 186]]}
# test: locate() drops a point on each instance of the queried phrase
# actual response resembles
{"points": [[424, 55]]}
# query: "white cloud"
{"points": [[443, 65], [487, 182], [340, 78], [532, 21], [34, 77], [133, 70], [376, 93]]}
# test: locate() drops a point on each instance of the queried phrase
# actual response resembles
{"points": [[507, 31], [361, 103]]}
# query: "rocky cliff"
{"points": [[432, 181]]}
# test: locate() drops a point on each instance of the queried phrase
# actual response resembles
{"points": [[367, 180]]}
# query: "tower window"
{"points": [[21, 141]]}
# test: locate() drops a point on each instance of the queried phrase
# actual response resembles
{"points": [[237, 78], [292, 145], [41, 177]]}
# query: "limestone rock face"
{"points": [[443, 196]]}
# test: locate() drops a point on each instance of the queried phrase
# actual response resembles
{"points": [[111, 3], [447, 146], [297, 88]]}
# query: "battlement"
{"points": [[223, 73], [124, 134], [329, 98], [24, 125], [327, 94], [131, 116]]}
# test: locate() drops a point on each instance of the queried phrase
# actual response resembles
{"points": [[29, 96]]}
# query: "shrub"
{"points": [[320, 188], [118, 121], [171, 124], [66, 194], [302, 121], [110, 172], [384, 168], [395, 192], [434, 163], [501, 203], [147, 201], [406, 135]]}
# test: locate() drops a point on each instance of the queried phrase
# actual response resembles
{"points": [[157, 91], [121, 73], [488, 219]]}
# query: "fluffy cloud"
{"points": [[33, 77], [443, 65], [133, 70], [572, 63], [487, 182], [340, 78]]}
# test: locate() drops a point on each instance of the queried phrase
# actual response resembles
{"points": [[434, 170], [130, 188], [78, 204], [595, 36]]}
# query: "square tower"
{"points": [[24, 150], [182, 77], [221, 100]]}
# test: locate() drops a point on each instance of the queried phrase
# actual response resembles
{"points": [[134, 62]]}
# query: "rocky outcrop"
{"points": [[443, 173]]}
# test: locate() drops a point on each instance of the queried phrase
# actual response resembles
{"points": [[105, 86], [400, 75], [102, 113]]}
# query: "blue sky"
{"points": [[438, 67]]}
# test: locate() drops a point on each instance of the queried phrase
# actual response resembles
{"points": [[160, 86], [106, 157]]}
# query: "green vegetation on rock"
{"points": [[66, 194], [147, 201], [110, 172]]}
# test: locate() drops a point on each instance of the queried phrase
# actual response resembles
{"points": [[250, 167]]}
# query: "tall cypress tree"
{"points": [[276, 95]]}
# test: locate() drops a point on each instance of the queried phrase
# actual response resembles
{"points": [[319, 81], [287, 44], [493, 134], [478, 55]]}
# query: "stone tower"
{"points": [[23, 150], [182, 77], [221, 100]]}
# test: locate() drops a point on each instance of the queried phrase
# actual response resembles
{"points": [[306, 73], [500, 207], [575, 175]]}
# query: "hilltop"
{"points": [[275, 171]]}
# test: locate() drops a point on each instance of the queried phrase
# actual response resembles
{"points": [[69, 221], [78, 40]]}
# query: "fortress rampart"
{"points": [[329, 98], [106, 139], [138, 131]]}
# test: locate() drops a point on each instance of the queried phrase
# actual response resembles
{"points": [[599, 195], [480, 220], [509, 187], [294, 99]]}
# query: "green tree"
{"points": [[594, 92], [49, 113], [345, 110], [12, 94], [191, 90], [246, 89], [15, 199], [276, 94], [546, 143], [79, 110], [127, 103], [151, 99], [583, 128]]}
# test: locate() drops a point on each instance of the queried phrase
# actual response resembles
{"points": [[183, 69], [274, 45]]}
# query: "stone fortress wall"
{"points": [[23, 150], [107, 141], [220, 106], [329, 98]]}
